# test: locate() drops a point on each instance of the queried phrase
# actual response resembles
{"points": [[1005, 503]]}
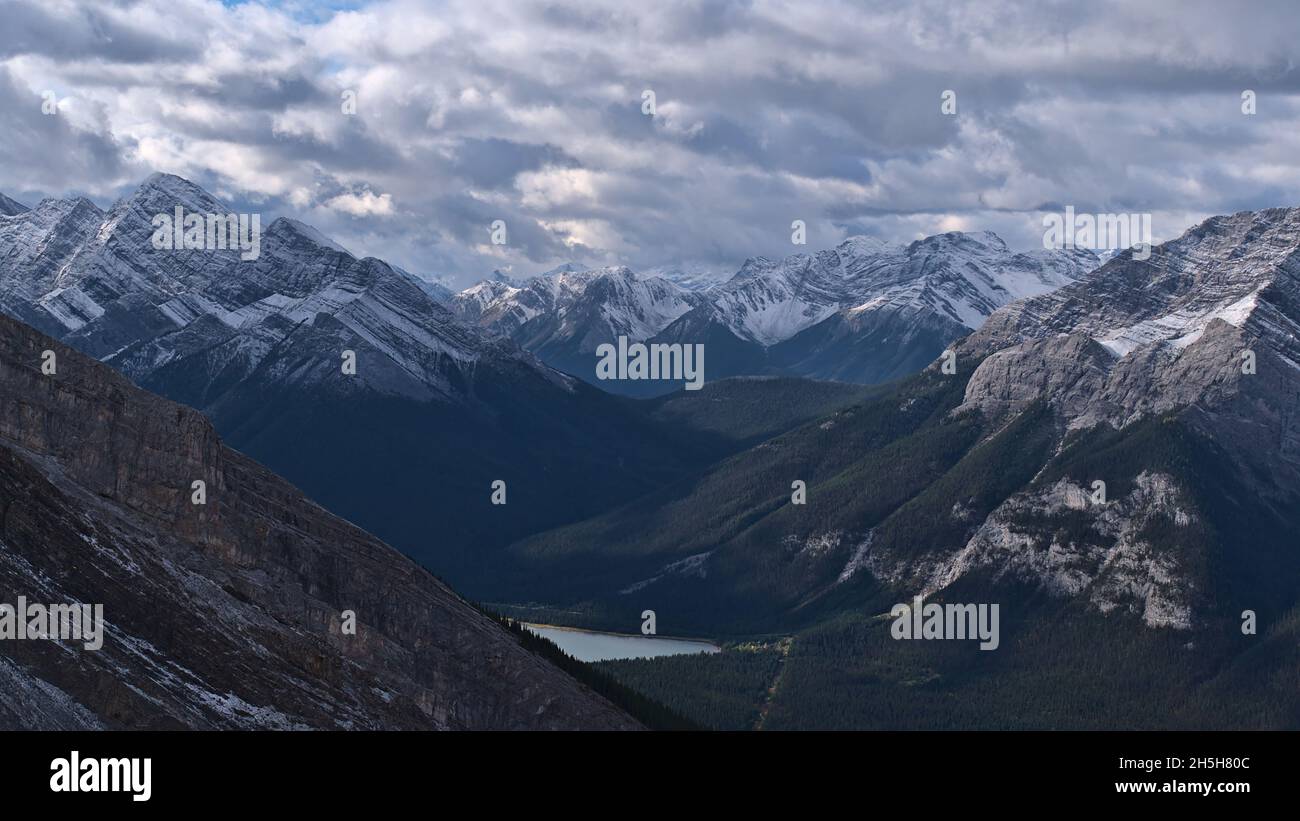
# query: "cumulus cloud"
{"points": [[404, 128], [362, 204]]}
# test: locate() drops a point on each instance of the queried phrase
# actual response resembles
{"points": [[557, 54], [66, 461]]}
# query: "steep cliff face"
{"points": [[1112, 565], [227, 614]]}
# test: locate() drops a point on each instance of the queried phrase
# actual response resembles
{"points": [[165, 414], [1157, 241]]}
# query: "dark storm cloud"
{"points": [[470, 222], [80, 32], [42, 152], [260, 91], [468, 111], [494, 162]]}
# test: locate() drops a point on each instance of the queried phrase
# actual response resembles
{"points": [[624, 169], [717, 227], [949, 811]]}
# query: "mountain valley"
{"points": [[1109, 453]]}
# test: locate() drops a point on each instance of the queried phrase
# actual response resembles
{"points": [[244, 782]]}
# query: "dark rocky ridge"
{"points": [[225, 615]]}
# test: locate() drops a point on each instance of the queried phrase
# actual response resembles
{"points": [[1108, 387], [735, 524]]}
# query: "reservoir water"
{"points": [[590, 645]]}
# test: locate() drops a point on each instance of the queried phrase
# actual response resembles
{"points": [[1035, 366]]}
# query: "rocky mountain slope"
{"points": [[865, 311], [1112, 463], [9, 207], [1135, 377], [94, 280], [1156, 334], [693, 276], [564, 315], [228, 614], [1203, 335]]}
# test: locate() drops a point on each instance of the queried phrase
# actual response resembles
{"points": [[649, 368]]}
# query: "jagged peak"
{"points": [[860, 244], [60, 208], [565, 268], [609, 271], [981, 239], [502, 277], [289, 227], [494, 287], [171, 183], [1282, 218], [10, 207], [164, 192], [754, 266]]}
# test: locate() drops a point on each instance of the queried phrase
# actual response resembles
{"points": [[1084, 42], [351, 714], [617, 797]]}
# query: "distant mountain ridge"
{"points": [[563, 316], [864, 311]]}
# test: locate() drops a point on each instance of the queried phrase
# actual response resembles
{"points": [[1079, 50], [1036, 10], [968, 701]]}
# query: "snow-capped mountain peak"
{"points": [[565, 268], [693, 276], [288, 224], [963, 277], [1140, 336], [904, 299], [575, 308], [96, 280]]}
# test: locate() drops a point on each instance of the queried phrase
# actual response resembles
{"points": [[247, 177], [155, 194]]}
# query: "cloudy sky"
{"points": [[765, 112]]}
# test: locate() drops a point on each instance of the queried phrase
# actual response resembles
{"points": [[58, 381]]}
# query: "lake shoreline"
{"points": [[601, 645], [591, 631]]}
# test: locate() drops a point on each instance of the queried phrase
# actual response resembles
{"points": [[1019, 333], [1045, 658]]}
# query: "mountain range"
{"points": [[1114, 462], [864, 311], [1109, 452], [409, 444], [1135, 341], [453, 393]]}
